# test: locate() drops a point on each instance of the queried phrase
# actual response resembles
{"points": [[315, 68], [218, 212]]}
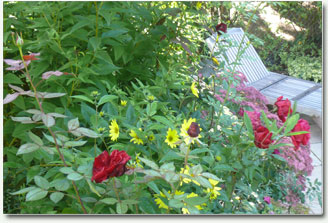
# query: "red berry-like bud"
{"points": [[193, 130]]}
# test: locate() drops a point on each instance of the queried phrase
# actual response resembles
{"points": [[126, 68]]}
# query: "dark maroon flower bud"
{"points": [[221, 27], [276, 151], [241, 112], [193, 130]]}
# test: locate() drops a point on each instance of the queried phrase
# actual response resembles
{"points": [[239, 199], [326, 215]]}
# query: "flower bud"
{"points": [[193, 130], [19, 41]]}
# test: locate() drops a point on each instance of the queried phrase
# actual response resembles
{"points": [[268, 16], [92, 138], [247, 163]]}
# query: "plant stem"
{"points": [[49, 129]]}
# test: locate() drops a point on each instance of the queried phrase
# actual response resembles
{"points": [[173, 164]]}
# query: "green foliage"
{"points": [[130, 63]]}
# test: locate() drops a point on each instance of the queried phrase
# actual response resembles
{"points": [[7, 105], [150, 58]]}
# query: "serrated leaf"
{"points": [[87, 132], [27, 148], [36, 139], [41, 182], [74, 176], [73, 124], [108, 201], [36, 194], [106, 98], [56, 196]]}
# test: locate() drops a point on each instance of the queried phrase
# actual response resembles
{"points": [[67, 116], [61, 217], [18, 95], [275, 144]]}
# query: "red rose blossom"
{"points": [[193, 130], [284, 106], [221, 27], [302, 125], [262, 137], [112, 165]]}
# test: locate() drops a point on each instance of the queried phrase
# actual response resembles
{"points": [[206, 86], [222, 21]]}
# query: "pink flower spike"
{"points": [[48, 74]]}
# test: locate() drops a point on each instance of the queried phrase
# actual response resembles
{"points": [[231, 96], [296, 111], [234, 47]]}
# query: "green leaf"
{"points": [[56, 196], [23, 191], [118, 52], [108, 201], [153, 186], [66, 170], [74, 176], [121, 208], [291, 122], [167, 167], [106, 98], [171, 155], [83, 98], [279, 145], [74, 143], [130, 202], [195, 200], [297, 133], [27, 148], [211, 176], [87, 132], [223, 167], [60, 184], [114, 33], [41, 182], [249, 125], [48, 120], [73, 124], [175, 203], [36, 194], [152, 173], [204, 182], [163, 120], [92, 188], [36, 139], [130, 114], [95, 43], [149, 163], [279, 157], [11, 79], [266, 121]]}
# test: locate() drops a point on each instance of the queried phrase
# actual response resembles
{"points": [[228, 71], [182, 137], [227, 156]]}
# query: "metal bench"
{"points": [[308, 94]]}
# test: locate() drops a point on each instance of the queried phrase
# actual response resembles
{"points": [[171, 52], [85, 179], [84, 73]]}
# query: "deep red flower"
{"points": [[284, 106], [302, 125], [221, 27], [262, 137], [31, 56], [112, 165], [193, 130], [241, 112]]}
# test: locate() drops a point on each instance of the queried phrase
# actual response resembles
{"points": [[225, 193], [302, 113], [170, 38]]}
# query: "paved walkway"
{"points": [[317, 158]]}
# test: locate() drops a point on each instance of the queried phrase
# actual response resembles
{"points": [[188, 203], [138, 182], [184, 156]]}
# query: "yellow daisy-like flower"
{"points": [[214, 191], [114, 130], [151, 98], [185, 179], [160, 202], [184, 131], [151, 138], [194, 90], [172, 138], [137, 161], [215, 61], [135, 138], [198, 5], [123, 103]]}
